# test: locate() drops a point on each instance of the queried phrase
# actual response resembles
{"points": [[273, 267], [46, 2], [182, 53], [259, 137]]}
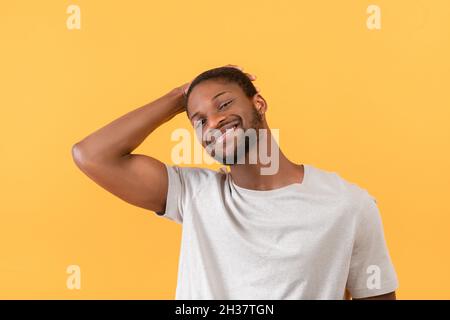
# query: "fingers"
{"points": [[185, 88], [252, 77], [234, 66]]}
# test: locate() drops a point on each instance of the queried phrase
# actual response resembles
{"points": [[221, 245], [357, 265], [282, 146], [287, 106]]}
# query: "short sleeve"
{"points": [[371, 270], [175, 195], [184, 183]]}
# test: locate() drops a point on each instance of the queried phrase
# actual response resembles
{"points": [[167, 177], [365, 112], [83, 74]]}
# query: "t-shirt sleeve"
{"points": [[371, 270], [183, 184]]}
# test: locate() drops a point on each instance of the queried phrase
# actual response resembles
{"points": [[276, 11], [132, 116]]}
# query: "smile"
{"points": [[227, 130]]}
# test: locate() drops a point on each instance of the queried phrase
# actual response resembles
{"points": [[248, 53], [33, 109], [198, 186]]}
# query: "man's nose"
{"points": [[215, 120]]}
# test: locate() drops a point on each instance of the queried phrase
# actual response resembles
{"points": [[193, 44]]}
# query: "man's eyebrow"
{"points": [[220, 93], [217, 95], [190, 118]]}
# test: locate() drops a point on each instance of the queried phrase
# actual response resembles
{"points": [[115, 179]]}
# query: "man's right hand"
{"points": [[185, 87], [106, 157]]}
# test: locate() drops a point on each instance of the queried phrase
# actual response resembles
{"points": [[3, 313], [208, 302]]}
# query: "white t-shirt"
{"points": [[308, 240]]}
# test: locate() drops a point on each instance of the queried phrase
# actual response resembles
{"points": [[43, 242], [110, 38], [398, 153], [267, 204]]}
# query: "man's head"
{"points": [[222, 99]]}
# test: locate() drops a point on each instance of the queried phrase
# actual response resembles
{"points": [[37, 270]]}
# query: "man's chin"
{"points": [[230, 158], [233, 156]]}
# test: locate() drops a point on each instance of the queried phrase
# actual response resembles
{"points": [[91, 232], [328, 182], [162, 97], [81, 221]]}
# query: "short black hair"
{"points": [[227, 74]]}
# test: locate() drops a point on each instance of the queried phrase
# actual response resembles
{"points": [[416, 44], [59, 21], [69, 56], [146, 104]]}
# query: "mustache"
{"points": [[214, 133]]}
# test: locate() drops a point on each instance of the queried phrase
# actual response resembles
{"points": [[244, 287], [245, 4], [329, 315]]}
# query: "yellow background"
{"points": [[372, 105]]}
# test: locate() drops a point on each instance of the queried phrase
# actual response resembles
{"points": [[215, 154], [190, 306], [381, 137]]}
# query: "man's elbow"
{"points": [[81, 157]]}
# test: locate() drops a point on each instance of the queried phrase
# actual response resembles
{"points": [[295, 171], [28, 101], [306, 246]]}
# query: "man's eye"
{"points": [[199, 122], [225, 104]]}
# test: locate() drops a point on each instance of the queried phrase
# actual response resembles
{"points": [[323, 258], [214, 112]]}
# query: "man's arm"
{"points": [[105, 155]]}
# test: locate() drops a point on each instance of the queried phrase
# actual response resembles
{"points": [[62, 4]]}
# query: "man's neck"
{"points": [[250, 176]]}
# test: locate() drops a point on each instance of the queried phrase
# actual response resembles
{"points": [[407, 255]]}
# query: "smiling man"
{"points": [[297, 232]]}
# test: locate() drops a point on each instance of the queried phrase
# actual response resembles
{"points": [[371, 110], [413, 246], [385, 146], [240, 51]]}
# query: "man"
{"points": [[299, 232]]}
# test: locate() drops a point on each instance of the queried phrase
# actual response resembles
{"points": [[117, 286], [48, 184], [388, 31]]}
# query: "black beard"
{"points": [[227, 161], [256, 123]]}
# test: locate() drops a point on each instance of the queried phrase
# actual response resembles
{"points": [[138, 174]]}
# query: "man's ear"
{"points": [[260, 104]]}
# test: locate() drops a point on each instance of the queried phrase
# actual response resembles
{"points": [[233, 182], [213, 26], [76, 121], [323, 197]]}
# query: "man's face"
{"points": [[222, 113]]}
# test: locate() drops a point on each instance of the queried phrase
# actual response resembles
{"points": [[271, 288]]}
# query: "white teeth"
{"points": [[225, 133]]}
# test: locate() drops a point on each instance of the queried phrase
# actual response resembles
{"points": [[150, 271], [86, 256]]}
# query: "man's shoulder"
{"points": [[334, 183]]}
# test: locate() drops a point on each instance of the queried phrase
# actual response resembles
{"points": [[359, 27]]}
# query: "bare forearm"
{"points": [[123, 135]]}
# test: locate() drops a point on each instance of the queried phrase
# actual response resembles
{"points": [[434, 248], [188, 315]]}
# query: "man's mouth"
{"points": [[225, 130]]}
